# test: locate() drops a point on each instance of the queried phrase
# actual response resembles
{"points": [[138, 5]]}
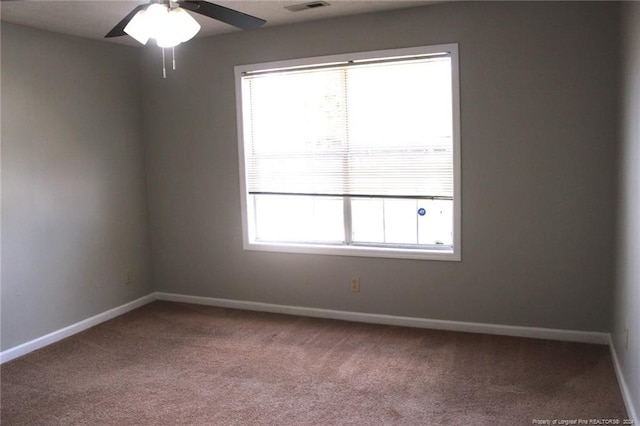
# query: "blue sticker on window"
{"points": [[422, 211]]}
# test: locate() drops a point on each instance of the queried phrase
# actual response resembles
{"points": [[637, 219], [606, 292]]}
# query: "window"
{"points": [[353, 154]]}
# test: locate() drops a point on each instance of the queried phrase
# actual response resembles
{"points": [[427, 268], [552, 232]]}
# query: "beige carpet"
{"points": [[169, 364]]}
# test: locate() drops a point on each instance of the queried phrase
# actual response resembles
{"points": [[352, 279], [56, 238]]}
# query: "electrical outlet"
{"points": [[127, 277], [355, 284]]}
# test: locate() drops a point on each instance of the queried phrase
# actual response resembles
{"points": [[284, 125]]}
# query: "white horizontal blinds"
{"points": [[400, 128], [373, 130], [298, 132]]}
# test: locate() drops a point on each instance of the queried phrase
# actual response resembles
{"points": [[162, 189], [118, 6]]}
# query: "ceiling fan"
{"points": [[169, 24], [158, 18]]}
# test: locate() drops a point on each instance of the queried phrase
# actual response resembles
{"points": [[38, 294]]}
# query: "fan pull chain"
{"points": [[164, 66], [173, 53], [164, 62]]}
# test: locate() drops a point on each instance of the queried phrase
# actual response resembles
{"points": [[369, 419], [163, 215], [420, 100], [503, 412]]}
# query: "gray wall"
{"points": [[74, 208], [627, 297], [539, 105]]}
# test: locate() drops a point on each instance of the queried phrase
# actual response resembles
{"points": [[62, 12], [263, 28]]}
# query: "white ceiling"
{"points": [[94, 18]]}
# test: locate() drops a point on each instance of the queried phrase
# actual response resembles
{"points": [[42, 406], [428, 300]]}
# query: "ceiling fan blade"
{"points": [[118, 30], [224, 14]]}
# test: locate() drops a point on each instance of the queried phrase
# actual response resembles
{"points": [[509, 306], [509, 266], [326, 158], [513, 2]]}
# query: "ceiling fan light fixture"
{"points": [[169, 27], [178, 26], [156, 8], [166, 40], [182, 24], [138, 27], [156, 18]]}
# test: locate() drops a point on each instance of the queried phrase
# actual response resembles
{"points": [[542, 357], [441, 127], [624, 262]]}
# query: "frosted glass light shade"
{"points": [[169, 27], [138, 27], [156, 19], [184, 23], [178, 26]]}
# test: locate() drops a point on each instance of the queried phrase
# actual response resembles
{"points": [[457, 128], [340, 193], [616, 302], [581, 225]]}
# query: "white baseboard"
{"points": [[624, 389], [63, 333], [460, 326], [469, 327]]}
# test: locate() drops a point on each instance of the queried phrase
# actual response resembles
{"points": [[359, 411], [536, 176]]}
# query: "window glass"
{"points": [[298, 219], [352, 154]]}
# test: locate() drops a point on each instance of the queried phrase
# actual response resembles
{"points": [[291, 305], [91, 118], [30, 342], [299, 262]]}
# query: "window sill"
{"points": [[358, 251]]}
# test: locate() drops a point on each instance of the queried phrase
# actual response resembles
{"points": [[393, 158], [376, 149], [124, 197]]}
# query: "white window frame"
{"points": [[249, 242]]}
